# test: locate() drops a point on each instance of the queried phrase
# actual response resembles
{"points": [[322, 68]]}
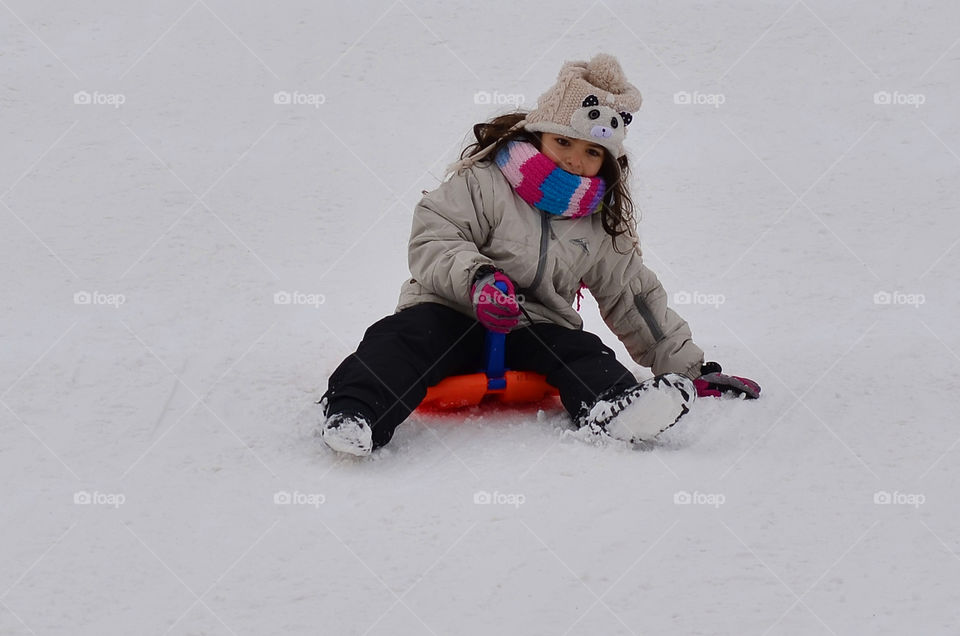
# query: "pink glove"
{"points": [[712, 383], [498, 311]]}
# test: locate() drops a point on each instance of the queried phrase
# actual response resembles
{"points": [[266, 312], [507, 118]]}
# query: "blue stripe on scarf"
{"points": [[558, 189]]}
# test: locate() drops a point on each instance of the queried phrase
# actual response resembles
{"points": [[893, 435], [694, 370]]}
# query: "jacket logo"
{"points": [[582, 243]]}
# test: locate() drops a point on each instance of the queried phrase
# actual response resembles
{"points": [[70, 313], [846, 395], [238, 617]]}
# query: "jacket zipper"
{"points": [[544, 243], [638, 300]]}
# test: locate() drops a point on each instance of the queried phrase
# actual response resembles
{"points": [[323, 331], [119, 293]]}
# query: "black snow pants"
{"points": [[403, 354]]}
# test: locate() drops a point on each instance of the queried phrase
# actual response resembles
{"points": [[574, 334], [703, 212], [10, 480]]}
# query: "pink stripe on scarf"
{"points": [[577, 206], [589, 201], [535, 171], [511, 171]]}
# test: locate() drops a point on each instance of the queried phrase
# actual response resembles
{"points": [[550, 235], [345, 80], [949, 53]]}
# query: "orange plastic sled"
{"points": [[494, 382], [459, 391]]}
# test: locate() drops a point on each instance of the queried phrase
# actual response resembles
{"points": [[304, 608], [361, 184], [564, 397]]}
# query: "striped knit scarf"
{"points": [[544, 185]]}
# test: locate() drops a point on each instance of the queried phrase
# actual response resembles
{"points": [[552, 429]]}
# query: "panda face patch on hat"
{"points": [[599, 122]]}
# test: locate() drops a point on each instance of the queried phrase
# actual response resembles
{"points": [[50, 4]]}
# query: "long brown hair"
{"points": [[616, 213]]}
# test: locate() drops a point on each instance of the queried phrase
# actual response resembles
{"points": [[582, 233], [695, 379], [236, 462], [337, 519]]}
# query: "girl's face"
{"points": [[577, 156]]}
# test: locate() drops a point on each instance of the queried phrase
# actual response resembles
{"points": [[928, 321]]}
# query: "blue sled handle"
{"points": [[493, 358]]}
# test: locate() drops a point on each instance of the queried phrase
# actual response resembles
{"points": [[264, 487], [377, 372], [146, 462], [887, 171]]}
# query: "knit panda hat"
{"points": [[591, 101]]}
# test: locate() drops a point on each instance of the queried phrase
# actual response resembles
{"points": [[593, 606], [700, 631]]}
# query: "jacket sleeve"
{"points": [[448, 228], [633, 304]]}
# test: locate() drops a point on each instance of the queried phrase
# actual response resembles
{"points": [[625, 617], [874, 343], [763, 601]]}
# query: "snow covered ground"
{"points": [[172, 173]]}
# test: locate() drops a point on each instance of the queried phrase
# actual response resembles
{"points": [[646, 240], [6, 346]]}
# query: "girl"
{"points": [[540, 205]]}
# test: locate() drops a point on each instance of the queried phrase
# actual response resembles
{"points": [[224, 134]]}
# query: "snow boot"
{"points": [[348, 433], [642, 412]]}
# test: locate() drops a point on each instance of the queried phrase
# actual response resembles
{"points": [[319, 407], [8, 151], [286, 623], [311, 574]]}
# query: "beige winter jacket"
{"points": [[476, 218]]}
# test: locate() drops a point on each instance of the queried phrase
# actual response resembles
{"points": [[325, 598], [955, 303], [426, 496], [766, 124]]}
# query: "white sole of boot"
{"points": [[348, 438], [659, 404]]}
